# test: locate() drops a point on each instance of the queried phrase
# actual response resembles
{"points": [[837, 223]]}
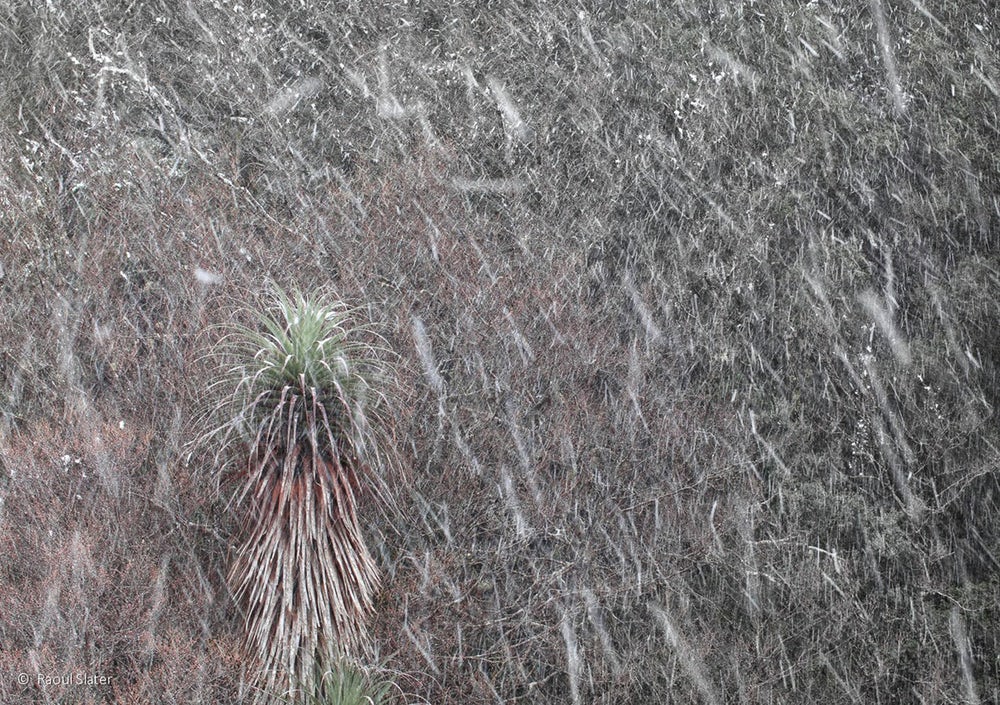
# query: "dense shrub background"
{"points": [[697, 305]]}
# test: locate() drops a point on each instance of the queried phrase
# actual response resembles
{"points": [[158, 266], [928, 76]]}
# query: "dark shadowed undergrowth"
{"points": [[696, 308]]}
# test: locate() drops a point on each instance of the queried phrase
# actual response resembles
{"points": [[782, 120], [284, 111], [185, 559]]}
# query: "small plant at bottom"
{"points": [[304, 409], [348, 684]]}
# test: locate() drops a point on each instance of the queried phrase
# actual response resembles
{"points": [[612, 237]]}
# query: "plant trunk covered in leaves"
{"points": [[303, 574]]}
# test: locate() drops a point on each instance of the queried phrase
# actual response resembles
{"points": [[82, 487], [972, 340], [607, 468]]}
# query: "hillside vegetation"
{"points": [[695, 306]]}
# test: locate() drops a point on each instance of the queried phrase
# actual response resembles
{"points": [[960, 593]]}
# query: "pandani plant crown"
{"points": [[303, 420]]}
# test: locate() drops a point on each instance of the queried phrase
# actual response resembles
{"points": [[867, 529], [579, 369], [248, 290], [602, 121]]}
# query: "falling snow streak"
{"points": [[889, 58]]}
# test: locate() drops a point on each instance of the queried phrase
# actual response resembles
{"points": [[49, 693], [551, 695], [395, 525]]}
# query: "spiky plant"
{"points": [[346, 683], [305, 396]]}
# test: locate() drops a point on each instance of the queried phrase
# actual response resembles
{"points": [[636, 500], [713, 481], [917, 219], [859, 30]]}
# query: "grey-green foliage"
{"points": [[309, 344], [349, 684]]}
